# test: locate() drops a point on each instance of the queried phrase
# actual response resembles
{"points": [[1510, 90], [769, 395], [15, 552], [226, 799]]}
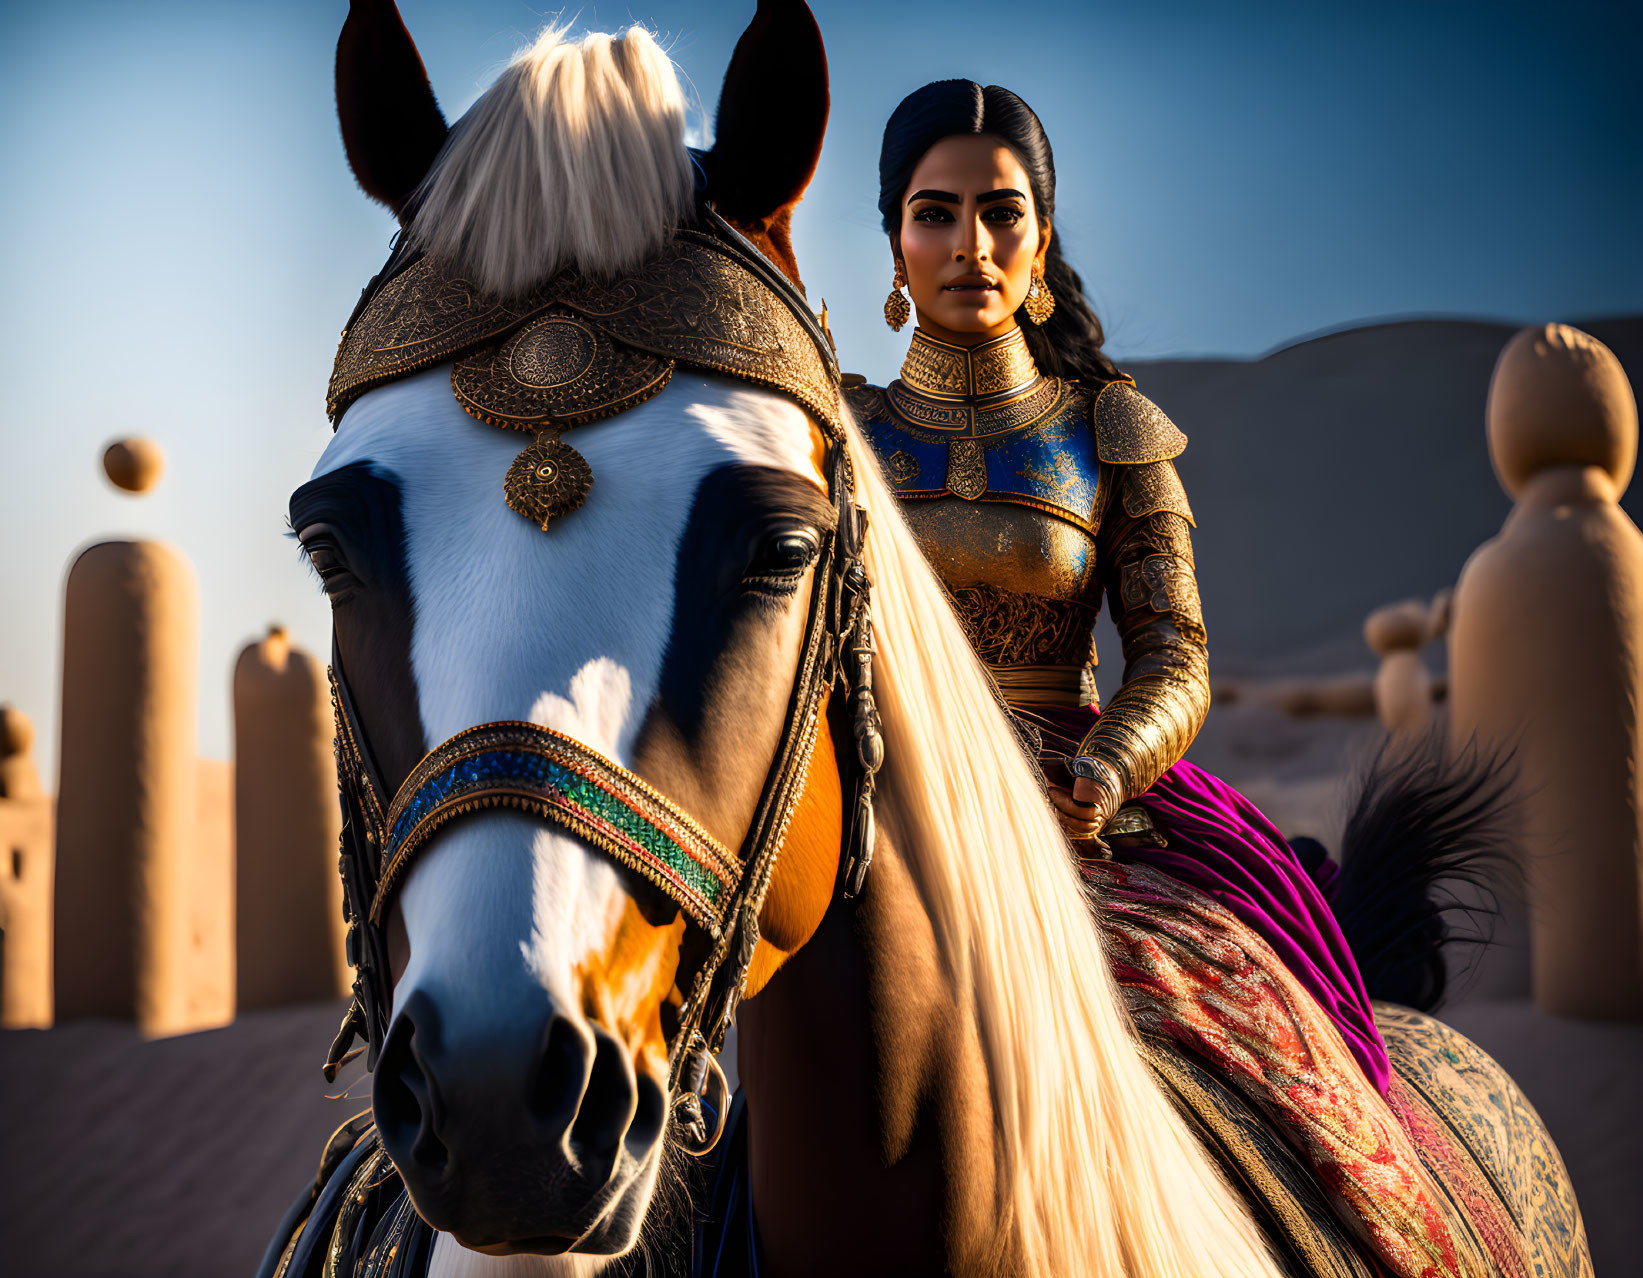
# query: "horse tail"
{"points": [[1427, 819]]}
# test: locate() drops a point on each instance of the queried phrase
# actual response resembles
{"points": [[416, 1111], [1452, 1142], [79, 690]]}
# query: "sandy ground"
{"points": [[171, 1157], [177, 1157]]}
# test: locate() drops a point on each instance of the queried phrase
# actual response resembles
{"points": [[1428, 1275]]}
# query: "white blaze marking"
{"points": [[576, 901], [601, 694], [567, 628]]}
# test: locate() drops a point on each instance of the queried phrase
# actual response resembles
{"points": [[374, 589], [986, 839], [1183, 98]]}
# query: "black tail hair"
{"points": [[1428, 817]]}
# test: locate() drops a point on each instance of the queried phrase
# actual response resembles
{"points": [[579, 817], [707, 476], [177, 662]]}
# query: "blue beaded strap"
{"points": [[550, 775]]}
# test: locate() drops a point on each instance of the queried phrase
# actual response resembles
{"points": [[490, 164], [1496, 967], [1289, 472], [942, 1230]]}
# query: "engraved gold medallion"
{"points": [[966, 469], [547, 480], [901, 466]]}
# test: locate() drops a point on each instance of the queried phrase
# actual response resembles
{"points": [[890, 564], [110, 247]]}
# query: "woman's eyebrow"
{"points": [[1003, 193], [946, 197]]}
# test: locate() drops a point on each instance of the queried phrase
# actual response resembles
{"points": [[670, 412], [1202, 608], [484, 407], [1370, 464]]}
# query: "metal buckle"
{"points": [[689, 1121]]}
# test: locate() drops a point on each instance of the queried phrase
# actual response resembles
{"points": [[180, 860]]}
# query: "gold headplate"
{"points": [[557, 371], [578, 350]]}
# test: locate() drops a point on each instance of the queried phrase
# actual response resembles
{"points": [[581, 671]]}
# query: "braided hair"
{"points": [[1068, 344]]}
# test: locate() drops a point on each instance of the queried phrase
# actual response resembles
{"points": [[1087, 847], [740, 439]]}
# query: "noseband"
{"points": [[563, 782]]}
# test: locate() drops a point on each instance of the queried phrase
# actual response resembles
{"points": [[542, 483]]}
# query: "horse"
{"points": [[687, 619]]}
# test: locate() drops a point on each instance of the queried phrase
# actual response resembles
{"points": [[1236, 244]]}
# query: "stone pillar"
{"points": [[1546, 658], [26, 862], [1403, 688], [211, 957], [289, 911], [127, 801]]}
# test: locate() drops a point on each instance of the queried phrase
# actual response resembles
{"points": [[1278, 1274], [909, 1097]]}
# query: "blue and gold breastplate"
{"points": [[983, 425], [1006, 475]]}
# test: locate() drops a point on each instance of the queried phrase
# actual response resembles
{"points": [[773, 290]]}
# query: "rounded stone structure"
{"points": [[1403, 687], [1546, 661], [134, 465], [26, 870], [127, 801], [1439, 612], [288, 913], [19, 778], [1559, 397]]}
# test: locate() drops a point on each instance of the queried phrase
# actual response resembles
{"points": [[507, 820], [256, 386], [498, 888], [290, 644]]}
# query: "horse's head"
{"points": [[522, 1077]]}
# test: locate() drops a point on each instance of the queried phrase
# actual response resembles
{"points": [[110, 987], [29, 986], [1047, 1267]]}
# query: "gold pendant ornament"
{"points": [[966, 469], [897, 309], [1039, 302], [547, 480]]}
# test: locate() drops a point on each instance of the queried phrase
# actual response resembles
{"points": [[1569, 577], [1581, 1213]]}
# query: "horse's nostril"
{"points": [[648, 1116], [557, 1083], [608, 1105], [403, 1102]]}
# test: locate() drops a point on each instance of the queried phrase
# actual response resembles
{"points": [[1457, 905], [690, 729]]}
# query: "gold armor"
{"points": [[1032, 497]]}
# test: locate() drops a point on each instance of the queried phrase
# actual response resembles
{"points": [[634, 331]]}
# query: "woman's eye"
{"points": [[1006, 215], [932, 215]]}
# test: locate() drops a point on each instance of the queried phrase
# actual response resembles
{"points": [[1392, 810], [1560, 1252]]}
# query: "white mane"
{"points": [[1098, 1172], [575, 156]]}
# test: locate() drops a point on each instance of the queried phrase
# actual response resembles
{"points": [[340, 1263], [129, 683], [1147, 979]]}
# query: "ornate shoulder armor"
{"points": [[1131, 430], [866, 403], [1154, 488]]}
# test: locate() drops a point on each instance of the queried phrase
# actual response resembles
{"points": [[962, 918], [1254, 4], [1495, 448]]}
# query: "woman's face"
{"points": [[970, 238]]}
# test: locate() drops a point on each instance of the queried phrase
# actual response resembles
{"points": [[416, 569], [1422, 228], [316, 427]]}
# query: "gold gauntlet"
{"points": [[1153, 717], [1144, 730]]}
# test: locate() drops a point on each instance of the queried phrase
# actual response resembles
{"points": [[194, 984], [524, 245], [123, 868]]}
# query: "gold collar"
{"points": [[995, 370]]}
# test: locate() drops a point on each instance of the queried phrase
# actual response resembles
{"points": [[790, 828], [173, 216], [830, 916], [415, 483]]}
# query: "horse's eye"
{"points": [[781, 560], [791, 552], [331, 568]]}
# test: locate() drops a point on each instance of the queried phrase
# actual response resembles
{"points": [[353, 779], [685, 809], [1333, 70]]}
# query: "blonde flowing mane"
{"points": [[575, 156], [1100, 1174]]}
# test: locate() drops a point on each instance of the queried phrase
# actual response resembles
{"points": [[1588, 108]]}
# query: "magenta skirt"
{"points": [[1219, 842]]}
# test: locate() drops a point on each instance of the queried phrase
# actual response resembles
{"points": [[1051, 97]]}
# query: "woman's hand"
{"points": [[1092, 793], [1082, 821]]}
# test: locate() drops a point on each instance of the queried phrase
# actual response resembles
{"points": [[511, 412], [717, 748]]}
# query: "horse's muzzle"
{"points": [[525, 1139]]}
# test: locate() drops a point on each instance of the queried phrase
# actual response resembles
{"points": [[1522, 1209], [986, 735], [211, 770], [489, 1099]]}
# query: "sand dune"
{"points": [[1341, 473]]}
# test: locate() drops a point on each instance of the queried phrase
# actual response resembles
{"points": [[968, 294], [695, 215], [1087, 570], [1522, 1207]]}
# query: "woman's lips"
{"points": [[970, 284]]}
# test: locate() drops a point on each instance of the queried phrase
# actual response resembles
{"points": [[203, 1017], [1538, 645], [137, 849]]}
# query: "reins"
{"points": [[553, 777]]}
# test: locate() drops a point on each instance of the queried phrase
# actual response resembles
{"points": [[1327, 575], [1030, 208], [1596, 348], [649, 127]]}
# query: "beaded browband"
{"points": [[549, 775]]}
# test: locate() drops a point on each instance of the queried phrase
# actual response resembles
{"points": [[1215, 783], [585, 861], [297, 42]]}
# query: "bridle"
{"points": [[556, 779]]}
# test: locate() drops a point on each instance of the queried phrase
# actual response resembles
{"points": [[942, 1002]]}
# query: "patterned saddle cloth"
{"points": [[1449, 1173]]}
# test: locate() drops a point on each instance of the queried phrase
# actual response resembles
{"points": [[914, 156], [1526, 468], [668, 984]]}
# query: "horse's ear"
{"points": [[391, 125], [771, 120]]}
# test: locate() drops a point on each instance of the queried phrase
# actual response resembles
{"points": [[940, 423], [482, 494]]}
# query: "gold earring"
{"points": [[896, 306], [1039, 302]]}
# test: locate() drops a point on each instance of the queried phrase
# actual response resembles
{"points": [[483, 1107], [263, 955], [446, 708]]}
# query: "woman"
{"points": [[1038, 480]]}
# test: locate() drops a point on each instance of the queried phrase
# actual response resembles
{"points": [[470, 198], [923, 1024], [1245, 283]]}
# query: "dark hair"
{"points": [[1069, 343]]}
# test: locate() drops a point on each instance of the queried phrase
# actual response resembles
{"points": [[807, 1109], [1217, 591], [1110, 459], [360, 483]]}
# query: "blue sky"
{"points": [[182, 239]]}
